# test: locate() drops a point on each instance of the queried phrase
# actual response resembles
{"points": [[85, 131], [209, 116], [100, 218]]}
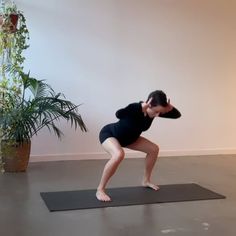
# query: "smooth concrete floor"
{"points": [[23, 213]]}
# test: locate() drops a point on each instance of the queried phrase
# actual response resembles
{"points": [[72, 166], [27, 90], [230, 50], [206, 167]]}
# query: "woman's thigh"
{"points": [[144, 145], [113, 147]]}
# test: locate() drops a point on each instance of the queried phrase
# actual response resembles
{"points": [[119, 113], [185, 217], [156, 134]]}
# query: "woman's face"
{"points": [[155, 111]]}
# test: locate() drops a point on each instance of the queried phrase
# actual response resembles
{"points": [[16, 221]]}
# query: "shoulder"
{"points": [[135, 105]]}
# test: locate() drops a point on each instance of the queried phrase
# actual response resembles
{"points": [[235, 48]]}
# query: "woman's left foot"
{"points": [[150, 185]]}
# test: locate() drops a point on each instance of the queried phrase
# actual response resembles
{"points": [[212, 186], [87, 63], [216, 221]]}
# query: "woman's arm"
{"points": [[173, 114]]}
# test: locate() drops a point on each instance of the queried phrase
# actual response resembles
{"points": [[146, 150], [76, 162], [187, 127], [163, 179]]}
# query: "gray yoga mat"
{"points": [[85, 199]]}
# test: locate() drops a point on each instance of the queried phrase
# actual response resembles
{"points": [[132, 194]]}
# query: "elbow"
{"points": [[117, 115], [178, 115]]}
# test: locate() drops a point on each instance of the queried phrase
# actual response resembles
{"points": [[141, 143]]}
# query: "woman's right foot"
{"points": [[102, 196], [148, 184]]}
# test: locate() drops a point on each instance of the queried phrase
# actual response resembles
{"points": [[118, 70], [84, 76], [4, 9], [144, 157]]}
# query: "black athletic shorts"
{"points": [[106, 132]]}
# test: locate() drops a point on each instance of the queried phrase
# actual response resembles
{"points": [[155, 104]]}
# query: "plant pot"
{"points": [[15, 156], [10, 25]]}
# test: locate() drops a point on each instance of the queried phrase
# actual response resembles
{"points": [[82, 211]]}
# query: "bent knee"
{"points": [[119, 155], [154, 149]]}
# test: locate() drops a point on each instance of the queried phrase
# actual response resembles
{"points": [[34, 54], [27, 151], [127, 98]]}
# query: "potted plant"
{"points": [[9, 16], [26, 104], [14, 35], [22, 117]]}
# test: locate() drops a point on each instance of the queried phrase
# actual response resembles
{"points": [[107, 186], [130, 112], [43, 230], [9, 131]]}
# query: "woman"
{"points": [[133, 120]]}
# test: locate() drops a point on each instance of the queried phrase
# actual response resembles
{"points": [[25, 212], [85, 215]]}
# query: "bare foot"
{"points": [[102, 196], [150, 185]]}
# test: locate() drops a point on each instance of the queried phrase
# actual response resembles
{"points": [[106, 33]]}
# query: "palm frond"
{"points": [[22, 119]]}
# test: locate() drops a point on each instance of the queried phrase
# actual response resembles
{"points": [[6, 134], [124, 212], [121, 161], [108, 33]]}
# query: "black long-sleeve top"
{"points": [[132, 122]]}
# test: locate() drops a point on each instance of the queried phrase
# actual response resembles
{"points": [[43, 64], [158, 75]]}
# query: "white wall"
{"points": [[108, 53]]}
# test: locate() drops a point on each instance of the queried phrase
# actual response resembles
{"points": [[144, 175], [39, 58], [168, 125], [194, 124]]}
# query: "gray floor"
{"points": [[23, 213]]}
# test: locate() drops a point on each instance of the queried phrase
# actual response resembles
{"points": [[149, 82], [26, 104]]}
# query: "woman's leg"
{"points": [[112, 146], [151, 149]]}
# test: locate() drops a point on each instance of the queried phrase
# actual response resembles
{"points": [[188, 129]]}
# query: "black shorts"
{"points": [[106, 132]]}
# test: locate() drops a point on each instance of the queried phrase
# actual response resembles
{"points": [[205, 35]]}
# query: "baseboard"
{"points": [[129, 154], [200, 152]]}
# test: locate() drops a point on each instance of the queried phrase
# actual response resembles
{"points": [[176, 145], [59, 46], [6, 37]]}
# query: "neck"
{"points": [[150, 113]]}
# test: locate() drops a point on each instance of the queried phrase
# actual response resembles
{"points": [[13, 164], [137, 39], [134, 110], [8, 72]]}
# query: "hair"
{"points": [[158, 98]]}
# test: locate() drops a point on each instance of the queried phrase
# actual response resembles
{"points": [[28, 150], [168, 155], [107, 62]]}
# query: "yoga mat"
{"points": [[85, 199]]}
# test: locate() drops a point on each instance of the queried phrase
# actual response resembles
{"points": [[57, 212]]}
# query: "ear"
{"points": [[149, 102]]}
